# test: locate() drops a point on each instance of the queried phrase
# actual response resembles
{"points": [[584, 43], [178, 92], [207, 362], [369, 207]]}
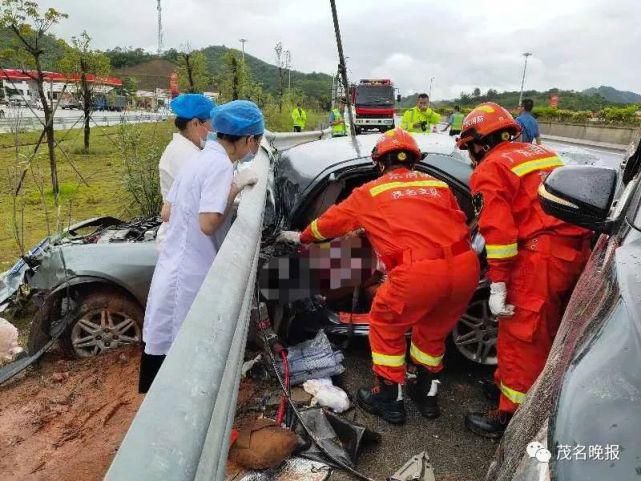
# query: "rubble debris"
{"points": [[340, 438], [248, 365], [262, 444], [418, 468], [313, 359], [292, 469], [327, 395]]}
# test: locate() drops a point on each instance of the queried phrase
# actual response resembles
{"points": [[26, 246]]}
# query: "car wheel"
{"points": [[106, 319], [475, 333]]}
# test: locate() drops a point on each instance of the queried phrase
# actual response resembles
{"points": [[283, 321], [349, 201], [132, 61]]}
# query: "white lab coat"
{"points": [[202, 185], [175, 155]]}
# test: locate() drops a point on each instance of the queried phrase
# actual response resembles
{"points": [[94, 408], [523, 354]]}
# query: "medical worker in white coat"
{"points": [[193, 121], [198, 203]]}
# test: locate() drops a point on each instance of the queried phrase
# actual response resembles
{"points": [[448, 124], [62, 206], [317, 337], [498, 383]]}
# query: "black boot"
{"points": [[491, 391], [385, 399], [491, 424], [423, 390]]}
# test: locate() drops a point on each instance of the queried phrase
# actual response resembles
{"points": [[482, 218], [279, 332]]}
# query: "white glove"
{"points": [[498, 294], [245, 177], [290, 236]]}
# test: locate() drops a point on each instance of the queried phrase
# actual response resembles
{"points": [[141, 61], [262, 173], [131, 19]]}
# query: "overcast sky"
{"points": [[462, 43]]}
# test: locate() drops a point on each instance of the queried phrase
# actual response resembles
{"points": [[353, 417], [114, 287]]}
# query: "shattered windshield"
{"points": [[375, 96]]}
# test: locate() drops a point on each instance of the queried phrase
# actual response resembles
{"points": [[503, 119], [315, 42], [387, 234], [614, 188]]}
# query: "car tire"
{"points": [[475, 334], [105, 319]]}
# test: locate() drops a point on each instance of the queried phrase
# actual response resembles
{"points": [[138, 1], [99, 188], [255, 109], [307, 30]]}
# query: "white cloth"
{"points": [[498, 297], [9, 347], [327, 395], [202, 186], [173, 158]]}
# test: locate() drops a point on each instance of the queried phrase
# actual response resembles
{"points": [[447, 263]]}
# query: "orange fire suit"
{"points": [[415, 225], [538, 257]]}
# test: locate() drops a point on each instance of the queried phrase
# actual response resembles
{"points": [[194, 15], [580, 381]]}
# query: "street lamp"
{"points": [[242, 42], [526, 55], [430, 91]]}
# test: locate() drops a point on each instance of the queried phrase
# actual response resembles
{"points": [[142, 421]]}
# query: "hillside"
{"points": [[613, 95], [149, 74], [155, 73], [568, 99]]}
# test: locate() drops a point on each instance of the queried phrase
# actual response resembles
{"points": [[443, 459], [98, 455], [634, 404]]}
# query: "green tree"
{"points": [[30, 26], [82, 62], [233, 82], [130, 85], [476, 93], [193, 76]]}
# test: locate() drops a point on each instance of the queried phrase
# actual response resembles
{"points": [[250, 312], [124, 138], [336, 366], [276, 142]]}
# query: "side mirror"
{"points": [[398, 98], [581, 195]]}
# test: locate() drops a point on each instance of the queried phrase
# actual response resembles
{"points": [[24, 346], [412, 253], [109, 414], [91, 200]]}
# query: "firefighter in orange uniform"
{"points": [[534, 259], [415, 225]]}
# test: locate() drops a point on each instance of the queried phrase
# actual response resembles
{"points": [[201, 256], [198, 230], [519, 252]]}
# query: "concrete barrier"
{"points": [[605, 134]]}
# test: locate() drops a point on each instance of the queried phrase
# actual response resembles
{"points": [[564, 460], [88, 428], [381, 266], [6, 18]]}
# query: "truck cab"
{"points": [[373, 101]]}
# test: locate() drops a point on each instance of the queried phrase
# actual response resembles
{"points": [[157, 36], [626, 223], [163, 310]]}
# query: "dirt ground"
{"points": [[65, 420]]}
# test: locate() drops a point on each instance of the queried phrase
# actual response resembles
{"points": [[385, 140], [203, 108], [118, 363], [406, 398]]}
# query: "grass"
{"points": [[101, 192], [91, 184]]}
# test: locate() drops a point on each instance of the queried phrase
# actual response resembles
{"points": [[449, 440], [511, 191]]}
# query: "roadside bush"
{"points": [[141, 151]]}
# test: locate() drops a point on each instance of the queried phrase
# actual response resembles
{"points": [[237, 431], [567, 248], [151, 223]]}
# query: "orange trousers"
{"points": [[427, 297], [540, 287]]}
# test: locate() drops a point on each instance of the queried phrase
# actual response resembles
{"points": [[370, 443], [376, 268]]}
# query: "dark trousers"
{"points": [[297, 128], [149, 367], [454, 132]]}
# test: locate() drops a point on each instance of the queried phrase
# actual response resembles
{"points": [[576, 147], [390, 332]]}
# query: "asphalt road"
{"points": [[456, 454]]}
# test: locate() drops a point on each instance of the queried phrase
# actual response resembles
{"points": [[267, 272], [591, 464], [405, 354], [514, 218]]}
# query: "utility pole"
{"points": [[526, 55], [342, 69], [242, 42], [430, 91], [159, 28], [288, 66]]}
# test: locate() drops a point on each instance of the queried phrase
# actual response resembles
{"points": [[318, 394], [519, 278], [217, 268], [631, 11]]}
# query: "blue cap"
{"points": [[239, 117], [192, 106]]}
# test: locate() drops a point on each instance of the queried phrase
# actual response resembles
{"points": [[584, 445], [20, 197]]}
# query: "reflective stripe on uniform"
{"points": [[515, 396], [424, 358], [501, 251], [315, 232], [388, 360], [379, 189], [538, 164]]}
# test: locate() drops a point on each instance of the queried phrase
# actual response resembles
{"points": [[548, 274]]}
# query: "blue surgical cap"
{"points": [[192, 106], [239, 117]]}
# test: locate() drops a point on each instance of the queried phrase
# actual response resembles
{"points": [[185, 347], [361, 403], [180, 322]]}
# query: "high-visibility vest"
{"points": [[414, 115], [338, 129], [299, 116], [457, 121]]}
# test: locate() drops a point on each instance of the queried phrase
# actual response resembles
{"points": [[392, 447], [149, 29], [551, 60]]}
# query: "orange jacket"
{"points": [[403, 213], [504, 186]]}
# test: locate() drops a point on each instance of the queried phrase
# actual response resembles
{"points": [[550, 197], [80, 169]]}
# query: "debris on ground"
{"points": [[327, 395], [292, 469], [314, 359], [418, 468], [262, 444], [9, 347], [340, 438]]}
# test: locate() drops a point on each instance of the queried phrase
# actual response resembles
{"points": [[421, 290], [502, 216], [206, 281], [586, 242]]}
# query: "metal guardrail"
{"points": [[30, 123], [285, 140], [181, 431]]}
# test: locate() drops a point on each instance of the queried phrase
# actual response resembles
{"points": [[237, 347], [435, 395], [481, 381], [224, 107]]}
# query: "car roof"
{"points": [[307, 161]]}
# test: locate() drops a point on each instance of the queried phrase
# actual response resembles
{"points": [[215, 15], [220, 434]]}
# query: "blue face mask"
{"points": [[249, 156], [212, 136]]}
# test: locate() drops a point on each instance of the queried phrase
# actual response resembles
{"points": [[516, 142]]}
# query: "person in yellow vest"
{"points": [[455, 122], [420, 118], [299, 116], [337, 119]]}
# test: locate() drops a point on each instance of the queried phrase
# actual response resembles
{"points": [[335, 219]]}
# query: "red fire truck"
{"points": [[373, 101]]}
